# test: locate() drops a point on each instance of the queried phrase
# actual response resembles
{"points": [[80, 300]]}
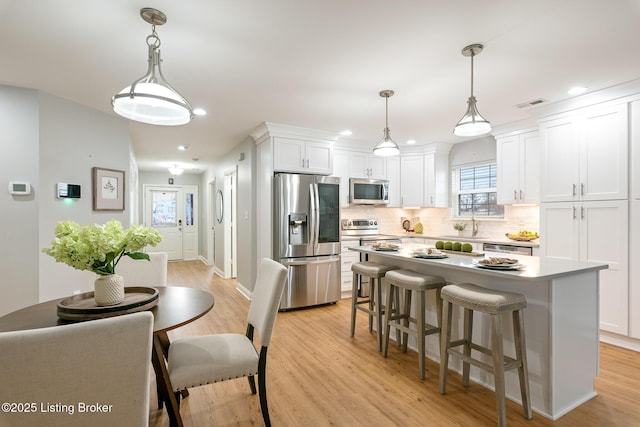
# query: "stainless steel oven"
{"points": [[367, 232]]}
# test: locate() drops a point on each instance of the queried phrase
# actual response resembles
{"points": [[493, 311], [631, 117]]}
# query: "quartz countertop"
{"points": [[536, 268], [481, 239]]}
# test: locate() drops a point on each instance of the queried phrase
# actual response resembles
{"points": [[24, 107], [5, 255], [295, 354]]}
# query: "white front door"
{"points": [[173, 212]]}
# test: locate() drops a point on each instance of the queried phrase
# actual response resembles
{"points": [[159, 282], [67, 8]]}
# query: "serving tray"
{"points": [[83, 306]]}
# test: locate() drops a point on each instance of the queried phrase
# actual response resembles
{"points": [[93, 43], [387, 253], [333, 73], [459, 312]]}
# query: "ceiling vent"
{"points": [[530, 103]]}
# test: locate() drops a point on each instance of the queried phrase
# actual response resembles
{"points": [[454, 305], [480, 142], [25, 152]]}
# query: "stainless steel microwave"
{"points": [[364, 191]]}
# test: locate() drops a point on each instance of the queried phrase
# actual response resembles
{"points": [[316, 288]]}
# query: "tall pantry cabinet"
{"points": [[584, 214]]}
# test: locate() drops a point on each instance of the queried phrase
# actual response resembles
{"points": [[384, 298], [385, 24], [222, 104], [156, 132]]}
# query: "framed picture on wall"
{"points": [[108, 190]]}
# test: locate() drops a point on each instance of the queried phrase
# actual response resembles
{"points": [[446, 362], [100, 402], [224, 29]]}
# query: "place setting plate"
{"points": [[425, 255], [500, 264], [385, 247]]}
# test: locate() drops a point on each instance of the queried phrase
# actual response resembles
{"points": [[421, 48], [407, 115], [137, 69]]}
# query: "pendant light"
{"points": [[150, 99], [472, 123], [386, 147]]}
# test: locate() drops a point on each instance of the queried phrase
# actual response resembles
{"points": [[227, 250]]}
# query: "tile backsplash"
{"points": [[438, 221]]}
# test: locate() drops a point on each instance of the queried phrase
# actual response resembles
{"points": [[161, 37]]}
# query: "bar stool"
{"points": [[495, 303], [411, 281], [372, 304]]}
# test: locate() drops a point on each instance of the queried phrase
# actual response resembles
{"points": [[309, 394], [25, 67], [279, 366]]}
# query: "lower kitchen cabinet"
{"points": [[348, 258], [593, 231]]}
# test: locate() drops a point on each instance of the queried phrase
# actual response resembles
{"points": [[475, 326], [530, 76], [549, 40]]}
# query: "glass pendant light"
{"points": [[386, 147], [150, 99], [472, 123]]}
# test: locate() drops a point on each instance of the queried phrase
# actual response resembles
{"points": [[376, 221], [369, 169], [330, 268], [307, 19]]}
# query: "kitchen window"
{"points": [[475, 193]]}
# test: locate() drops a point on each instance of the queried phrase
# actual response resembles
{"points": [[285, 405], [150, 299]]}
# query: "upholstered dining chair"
{"points": [[140, 272], [200, 360], [93, 373]]}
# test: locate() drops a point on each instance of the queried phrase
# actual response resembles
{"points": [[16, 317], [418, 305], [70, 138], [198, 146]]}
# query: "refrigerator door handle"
{"points": [[315, 218], [311, 260]]}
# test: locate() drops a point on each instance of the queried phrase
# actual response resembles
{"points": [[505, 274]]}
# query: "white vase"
{"points": [[108, 289]]}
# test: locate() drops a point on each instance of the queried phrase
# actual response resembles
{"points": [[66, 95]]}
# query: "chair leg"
{"points": [[252, 384], [445, 339], [389, 291], [354, 299], [498, 367], [262, 386], [371, 293], [406, 312], [378, 308], [468, 336], [521, 355], [420, 329]]}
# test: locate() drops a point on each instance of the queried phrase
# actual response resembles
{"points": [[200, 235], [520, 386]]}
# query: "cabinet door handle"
{"points": [[307, 163], [521, 195], [582, 189], [582, 213], [302, 162], [515, 194], [574, 213], [574, 189]]}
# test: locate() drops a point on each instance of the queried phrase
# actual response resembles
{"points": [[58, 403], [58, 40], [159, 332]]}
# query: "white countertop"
{"points": [[451, 238], [537, 268]]}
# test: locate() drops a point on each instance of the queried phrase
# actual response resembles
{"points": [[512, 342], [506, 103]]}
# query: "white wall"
{"points": [[47, 140], [246, 222], [18, 214]]}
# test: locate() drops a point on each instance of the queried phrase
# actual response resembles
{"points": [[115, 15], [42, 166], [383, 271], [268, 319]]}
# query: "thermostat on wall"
{"points": [[68, 191], [19, 188]]}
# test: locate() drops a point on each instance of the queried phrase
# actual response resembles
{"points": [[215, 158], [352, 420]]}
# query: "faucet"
{"points": [[474, 227]]}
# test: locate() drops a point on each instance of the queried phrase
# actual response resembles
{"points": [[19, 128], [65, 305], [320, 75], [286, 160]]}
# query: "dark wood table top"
{"points": [[176, 307]]}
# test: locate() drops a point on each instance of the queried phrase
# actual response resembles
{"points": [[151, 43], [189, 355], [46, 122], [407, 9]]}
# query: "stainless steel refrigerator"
{"points": [[307, 238]]}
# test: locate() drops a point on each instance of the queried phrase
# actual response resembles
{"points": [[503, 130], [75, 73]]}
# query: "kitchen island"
{"points": [[561, 321]]}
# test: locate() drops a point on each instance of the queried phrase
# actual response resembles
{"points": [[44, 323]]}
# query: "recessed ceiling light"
{"points": [[182, 147], [346, 132], [577, 90], [199, 112], [411, 141]]}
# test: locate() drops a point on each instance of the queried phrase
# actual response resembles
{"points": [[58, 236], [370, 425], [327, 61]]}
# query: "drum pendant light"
{"points": [[386, 147], [472, 123], [150, 99]]}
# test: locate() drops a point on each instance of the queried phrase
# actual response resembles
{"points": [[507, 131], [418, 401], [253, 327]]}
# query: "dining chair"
{"points": [[93, 373], [207, 359], [140, 272]]}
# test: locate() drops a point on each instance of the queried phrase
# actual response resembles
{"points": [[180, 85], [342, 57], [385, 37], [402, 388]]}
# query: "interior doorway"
{"points": [[229, 222], [173, 212]]}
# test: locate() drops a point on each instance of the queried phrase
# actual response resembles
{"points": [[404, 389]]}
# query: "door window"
{"points": [[163, 209]]}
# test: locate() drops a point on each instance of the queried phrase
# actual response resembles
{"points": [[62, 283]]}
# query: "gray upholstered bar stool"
{"points": [[411, 281], [372, 304], [495, 303]]}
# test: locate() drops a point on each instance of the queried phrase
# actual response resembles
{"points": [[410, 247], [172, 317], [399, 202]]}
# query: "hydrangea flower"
{"points": [[98, 248]]}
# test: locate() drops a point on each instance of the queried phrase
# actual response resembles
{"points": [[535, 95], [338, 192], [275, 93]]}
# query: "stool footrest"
{"points": [[509, 362]]}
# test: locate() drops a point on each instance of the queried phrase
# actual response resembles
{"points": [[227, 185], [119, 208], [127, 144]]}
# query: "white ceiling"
{"points": [[319, 64]]}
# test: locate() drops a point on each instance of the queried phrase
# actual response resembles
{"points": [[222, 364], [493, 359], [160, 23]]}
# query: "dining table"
{"points": [[561, 318], [176, 306]]}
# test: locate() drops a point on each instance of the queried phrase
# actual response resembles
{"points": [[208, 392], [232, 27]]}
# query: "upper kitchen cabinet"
{"points": [[365, 165], [393, 175], [518, 160], [436, 177], [412, 181], [635, 149], [341, 170], [300, 156], [585, 155]]}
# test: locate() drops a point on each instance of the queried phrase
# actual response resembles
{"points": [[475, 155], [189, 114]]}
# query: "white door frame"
{"points": [[230, 221], [211, 222]]}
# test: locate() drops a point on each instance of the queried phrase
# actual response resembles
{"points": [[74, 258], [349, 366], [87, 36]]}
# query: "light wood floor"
{"points": [[317, 375]]}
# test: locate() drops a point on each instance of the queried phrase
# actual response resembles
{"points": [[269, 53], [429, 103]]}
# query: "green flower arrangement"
{"points": [[99, 248]]}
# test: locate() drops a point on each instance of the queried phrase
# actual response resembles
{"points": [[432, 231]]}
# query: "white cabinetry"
{"points": [[518, 158], [299, 156], [412, 180], [593, 231], [393, 176], [341, 170], [348, 258], [365, 165], [424, 178], [585, 155]]}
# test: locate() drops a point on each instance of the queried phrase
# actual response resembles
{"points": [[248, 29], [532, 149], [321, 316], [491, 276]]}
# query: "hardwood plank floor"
{"points": [[317, 375]]}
